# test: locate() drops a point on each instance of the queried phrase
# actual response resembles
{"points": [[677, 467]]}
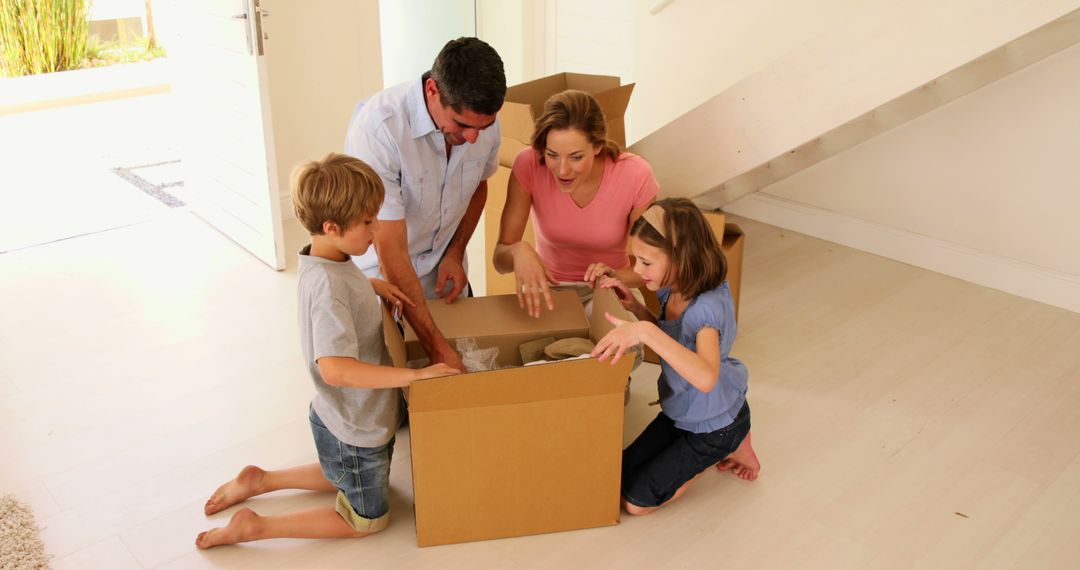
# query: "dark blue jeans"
{"points": [[665, 457]]}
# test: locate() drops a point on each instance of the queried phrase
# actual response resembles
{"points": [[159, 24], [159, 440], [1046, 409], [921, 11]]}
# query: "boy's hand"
{"points": [[436, 370], [623, 337], [622, 292], [391, 295]]}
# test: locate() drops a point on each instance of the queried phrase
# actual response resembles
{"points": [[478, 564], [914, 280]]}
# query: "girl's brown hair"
{"points": [[576, 110], [339, 188], [697, 262]]}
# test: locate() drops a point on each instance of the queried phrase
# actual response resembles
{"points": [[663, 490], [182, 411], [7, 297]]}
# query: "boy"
{"points": [[357, 404]]}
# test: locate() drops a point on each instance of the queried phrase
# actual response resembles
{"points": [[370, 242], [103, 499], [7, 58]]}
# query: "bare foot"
{"points": [[241, 528], [743, 462], [243, 487]]}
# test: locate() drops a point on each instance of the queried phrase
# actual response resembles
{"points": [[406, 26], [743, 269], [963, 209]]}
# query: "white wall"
{"points": [[413, 32], [986, 188], [693, 49], [313, 89]]}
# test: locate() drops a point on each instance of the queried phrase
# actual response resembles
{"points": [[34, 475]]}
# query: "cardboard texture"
{"points": [[524, 102], [522, 450]]}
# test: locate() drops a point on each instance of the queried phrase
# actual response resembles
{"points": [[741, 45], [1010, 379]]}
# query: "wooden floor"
{"points": [[903, 418]]}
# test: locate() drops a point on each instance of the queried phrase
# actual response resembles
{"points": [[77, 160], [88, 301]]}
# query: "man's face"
{"points": [[457, 128]]}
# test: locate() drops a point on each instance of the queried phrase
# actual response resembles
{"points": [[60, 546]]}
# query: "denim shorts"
{"points": [[361, 474], [665, 457]]}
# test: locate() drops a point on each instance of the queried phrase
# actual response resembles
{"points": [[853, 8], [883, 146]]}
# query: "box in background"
{"points": [[515, 451], [524, 102]]}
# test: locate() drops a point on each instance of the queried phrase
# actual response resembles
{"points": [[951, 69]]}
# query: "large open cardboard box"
{"points": [[521, 450], [524, 102]]}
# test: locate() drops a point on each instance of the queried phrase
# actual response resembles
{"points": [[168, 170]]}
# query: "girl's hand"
{"points": [[596, 271], [533, 280], [622, 292], [623, 337], [392, 296]]}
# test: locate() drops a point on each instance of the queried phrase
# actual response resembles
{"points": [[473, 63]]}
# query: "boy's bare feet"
{"points": [[243, 487], [241, 528], [743, 462]]}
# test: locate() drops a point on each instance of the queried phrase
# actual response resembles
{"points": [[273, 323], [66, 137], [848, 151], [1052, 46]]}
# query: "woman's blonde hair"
{"points": [[578, 110], [339, 189], [697, 262]]}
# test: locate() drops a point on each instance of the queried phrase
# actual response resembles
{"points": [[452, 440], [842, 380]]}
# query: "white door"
{"points": [[229, 151]]}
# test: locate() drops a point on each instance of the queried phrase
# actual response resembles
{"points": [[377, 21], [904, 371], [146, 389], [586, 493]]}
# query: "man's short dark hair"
{"points": [[469, 75]]}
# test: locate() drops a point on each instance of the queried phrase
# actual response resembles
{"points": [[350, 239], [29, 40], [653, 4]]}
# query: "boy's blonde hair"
{"points": [[339, 188]]}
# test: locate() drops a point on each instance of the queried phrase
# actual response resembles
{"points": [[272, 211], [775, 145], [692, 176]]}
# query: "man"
{"points": [[434, 142]]}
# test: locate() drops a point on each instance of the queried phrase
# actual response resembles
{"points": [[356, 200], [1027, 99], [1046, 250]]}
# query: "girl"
{"points": [[705, 419]]}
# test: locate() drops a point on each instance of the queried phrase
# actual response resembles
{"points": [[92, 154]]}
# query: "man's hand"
{"points": [[448, 356], [450, 269], [392, 296]]}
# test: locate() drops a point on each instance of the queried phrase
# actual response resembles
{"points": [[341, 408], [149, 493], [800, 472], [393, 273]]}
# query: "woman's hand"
{"points": [[533, 280], [625, 336], [597, 270], [622, 292], [392, 296]]}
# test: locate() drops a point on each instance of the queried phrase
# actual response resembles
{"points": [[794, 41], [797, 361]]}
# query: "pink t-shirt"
{"points": [[569, 237]]}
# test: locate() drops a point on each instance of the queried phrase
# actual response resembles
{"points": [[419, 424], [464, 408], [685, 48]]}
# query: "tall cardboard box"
{"points": [[524, 102], [515, 451]]}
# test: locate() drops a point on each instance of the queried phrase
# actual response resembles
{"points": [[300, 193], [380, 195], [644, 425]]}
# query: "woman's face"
{"points": [[570, 158]]}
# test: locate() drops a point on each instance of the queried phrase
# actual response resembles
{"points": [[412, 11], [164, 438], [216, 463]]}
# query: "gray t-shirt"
{"points": [[340, 315]]}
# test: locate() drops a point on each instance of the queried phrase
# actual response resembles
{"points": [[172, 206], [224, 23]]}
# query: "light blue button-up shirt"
{"points": [[393, 132]]}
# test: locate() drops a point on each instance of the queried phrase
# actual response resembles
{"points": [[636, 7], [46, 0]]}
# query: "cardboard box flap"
{"points": [[605, 301], [500, 315], [509, 150], [516, 123], [395, 344], [590, 83], [543, 382], [614, 103], [525, 101]]}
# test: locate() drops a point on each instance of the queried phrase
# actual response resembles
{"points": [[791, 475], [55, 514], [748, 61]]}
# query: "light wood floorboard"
{"points": [[904, 419]]}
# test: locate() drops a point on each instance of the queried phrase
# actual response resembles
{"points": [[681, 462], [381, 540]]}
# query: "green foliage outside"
{"points": [[41, 36], [100, 54]]}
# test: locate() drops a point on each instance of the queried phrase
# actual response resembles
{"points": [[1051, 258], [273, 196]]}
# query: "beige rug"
{"points": [[20, 545]]}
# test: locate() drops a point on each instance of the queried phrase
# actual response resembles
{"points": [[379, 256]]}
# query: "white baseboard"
{"points": [[979, 267]]}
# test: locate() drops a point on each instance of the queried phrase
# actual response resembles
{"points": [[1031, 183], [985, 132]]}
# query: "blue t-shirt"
{"points": [[691, 409]]}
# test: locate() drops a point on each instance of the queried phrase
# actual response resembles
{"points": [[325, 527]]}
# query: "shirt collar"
{"points": [[422, 124]]}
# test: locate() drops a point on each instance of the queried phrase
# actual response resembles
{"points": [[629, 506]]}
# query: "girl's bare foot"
{"points": [[242, 527], [743, 462], [244, 486]]}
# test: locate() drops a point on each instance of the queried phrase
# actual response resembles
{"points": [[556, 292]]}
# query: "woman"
{"points": [[584, 193]]}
